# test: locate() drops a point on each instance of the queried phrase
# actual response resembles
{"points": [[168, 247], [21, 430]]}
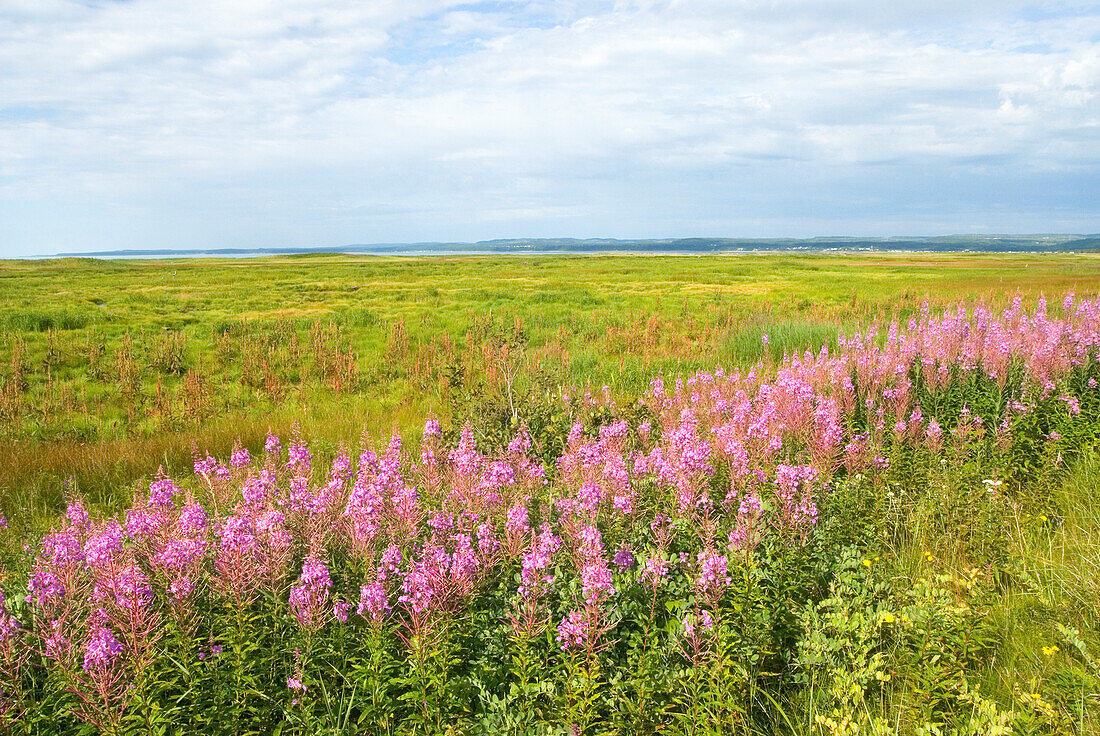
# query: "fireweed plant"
{"points": [[703, 562]]}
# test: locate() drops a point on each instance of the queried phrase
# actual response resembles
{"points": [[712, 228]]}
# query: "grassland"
{"points": [[945, 590], [109, 369]]}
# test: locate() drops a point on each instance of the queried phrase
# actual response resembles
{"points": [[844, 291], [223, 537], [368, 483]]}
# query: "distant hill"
{"points": [[937, 244]]}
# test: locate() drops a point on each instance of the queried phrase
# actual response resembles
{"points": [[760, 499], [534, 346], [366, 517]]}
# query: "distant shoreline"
{"points": [[1037, 244]]}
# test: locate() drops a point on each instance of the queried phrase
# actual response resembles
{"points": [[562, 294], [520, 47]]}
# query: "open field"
{"points": [[897, 535], [111, 368]]}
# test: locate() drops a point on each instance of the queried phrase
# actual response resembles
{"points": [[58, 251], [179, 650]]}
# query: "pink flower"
{"points": [[713, 575], [162, 493], [101, 548], [192, 519], [596, 584], [309, 598], [240, 458], [44, 587], [517, 520], [76, 515], [102, 650], [298, 457], [340, 611], [131, 588], [573, 631], [373, 604], [654, 571]]}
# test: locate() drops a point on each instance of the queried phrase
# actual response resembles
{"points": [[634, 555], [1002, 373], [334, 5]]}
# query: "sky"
{"points": [[297, 123]]}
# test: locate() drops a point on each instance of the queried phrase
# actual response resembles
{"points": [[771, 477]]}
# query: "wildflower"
{"points": [[1051, 650], [705, 623], [596, 582], [100, 549], [340, 611], [391, 559], [298, 456], [162, 492], [294, 682], [888, 618], [192, 519], [43, 587], [62, 548], [654, 570], [421, 589], [141, 524], [182, 589], [624, 504], [309, 597], [589, 496], [205, 466], [464, 563], [76, 515], [57, 646], [534, 582], [465, 458], [713, 575], [240, 457], [131, 588], [487, 542], [517, 523], [102, 650], [373, 604], [498, 475], [623, 559], [573, 631], [9, 626]]}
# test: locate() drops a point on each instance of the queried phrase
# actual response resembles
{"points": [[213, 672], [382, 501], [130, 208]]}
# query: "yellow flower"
{"points": [[1051, 650], [866, 562], [1043, 517], [888, 618]]}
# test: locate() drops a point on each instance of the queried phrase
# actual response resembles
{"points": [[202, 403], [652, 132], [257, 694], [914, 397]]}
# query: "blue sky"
{"points": [[207, 124]]}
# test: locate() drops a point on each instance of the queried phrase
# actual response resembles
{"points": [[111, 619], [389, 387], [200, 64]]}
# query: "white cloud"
{"points": [[412, 106]]}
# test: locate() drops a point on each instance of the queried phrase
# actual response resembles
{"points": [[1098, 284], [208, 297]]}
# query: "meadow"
{"points": [[744, 494], [110, 369]]}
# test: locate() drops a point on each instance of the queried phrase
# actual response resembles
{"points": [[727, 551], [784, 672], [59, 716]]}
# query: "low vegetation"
{"points": [[891, 529], [111, 369]]}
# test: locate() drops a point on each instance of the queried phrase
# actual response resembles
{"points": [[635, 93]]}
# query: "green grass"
{"points": [[989, 583], [257, 338]]}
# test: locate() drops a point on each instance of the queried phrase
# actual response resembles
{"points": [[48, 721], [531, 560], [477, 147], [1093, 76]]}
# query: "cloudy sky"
{"points": [[209, 123]]}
